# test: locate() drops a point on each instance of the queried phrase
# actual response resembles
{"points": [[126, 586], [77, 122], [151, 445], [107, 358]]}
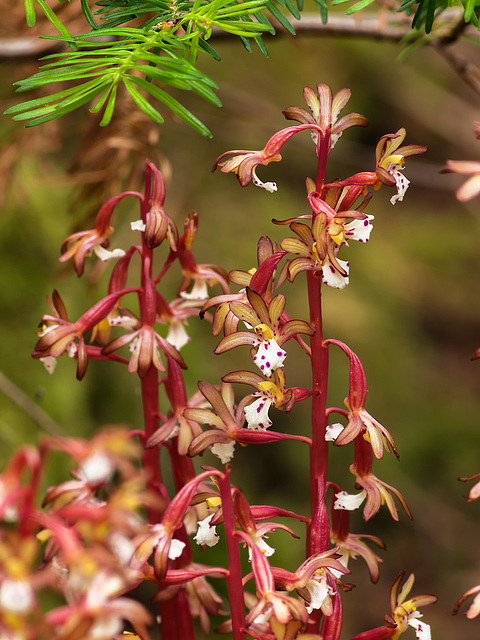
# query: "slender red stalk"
{"points": [[176, 620], [318, 534], [234, 578]]}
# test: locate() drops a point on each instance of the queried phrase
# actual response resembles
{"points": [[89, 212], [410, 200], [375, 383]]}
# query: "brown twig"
{"points": [[28, 406]]}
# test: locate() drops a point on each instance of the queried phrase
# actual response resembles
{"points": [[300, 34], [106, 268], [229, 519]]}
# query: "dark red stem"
{"points": [[234, 578]]}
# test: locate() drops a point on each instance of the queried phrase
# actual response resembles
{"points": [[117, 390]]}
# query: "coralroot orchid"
{"points": [[79, 245], [244, 163], [325, 111], [270, 330], [133, 514], [390, 163], [403, 613]]}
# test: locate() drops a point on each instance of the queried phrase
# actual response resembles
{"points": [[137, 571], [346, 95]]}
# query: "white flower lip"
{"points": [[105, 254], [176, 549], [206, 534], [256, 414], [223, 451], [333, 431], [348, 501], [269, 356]]}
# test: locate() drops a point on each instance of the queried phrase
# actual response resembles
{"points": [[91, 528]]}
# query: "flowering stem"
{"points": [[234, 578], [318, 533], [318, 538], [149, 383]]}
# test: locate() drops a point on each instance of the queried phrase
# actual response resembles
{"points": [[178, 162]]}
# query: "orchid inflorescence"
{"points": [[115, 525]]}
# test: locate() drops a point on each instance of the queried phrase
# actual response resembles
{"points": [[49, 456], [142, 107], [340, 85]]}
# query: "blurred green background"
{"points": [[411, 311]]}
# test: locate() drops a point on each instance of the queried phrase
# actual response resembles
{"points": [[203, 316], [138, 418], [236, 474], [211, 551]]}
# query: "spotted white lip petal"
{"points": [[269, 356], [333, 431], [348, 501], [16, 596], [271, 187], [332, 277], [97, 468], [223, 450], [359, 229], [265, 548], [199, 291], [422, 630], [49, 362], [402, 185], [256, 414]]}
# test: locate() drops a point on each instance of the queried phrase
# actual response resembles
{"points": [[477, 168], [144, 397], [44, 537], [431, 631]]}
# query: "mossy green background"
{"points": [[411, 311]]}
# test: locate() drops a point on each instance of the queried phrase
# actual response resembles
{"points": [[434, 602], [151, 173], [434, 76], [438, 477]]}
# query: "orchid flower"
{"points": [[270, 330], [244, 163]]}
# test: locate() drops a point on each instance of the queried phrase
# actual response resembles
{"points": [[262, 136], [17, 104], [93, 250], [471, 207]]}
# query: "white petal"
{"points": [[256, 414], [223, 450], [106, 627], [402, 185], [359, 229], [16, 596], [176, 549], [349, 501], [332, 277], [334, 138], [138, 225], [126, 322], [97, 468], [206, 534], [72, 350], [105, 254], [177, 335], [333, 431], [199, 291], [269, 356], [422, 629], [49, 362], [268, 186], [318, 591], [262, 545], [344, 558]]}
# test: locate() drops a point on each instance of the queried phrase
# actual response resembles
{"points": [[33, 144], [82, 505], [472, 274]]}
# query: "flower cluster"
{"points": [[133, 515]]}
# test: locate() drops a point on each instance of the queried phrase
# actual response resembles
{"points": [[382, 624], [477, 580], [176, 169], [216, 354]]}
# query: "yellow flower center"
{"points": [[395, 158], [336, 231], [271, 388], [213, 502], [264, 330]]}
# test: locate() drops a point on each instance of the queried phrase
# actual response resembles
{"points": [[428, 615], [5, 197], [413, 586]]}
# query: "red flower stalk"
{"points": [[177, 425]]}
